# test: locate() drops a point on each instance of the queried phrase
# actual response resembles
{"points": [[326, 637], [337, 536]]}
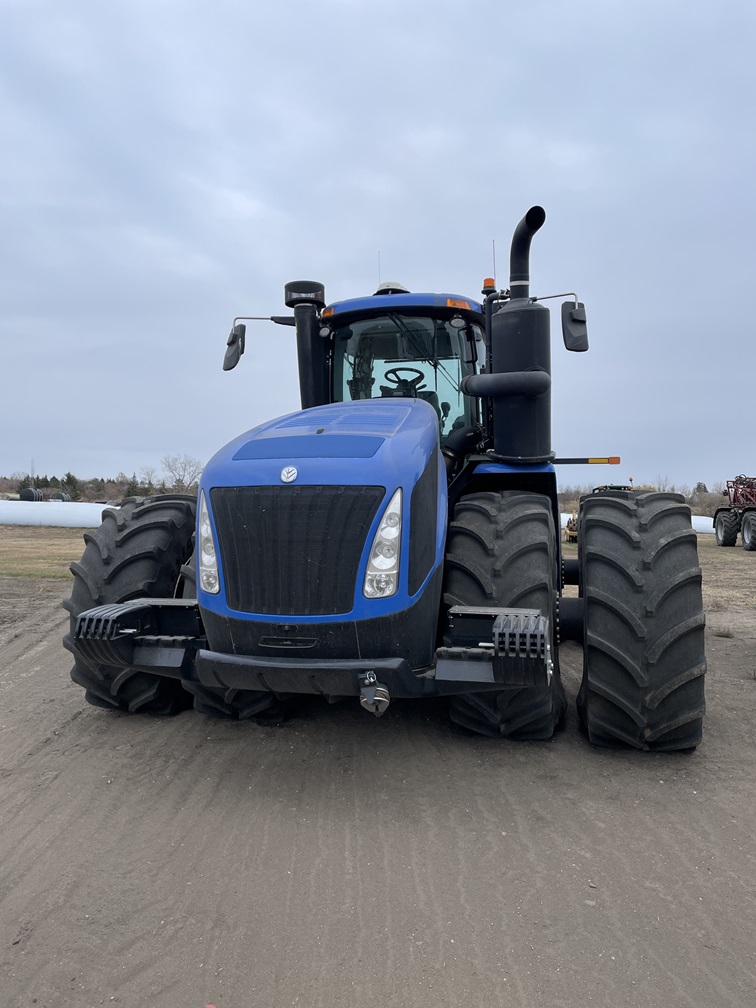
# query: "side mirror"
{"points": [[574, 326], [234, 346]]}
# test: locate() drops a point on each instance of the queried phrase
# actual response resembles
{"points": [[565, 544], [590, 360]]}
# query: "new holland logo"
{"points": [[288, 475]]}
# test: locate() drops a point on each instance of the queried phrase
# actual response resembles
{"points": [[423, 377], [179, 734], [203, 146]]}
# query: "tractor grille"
{"points": [[292, 551]]}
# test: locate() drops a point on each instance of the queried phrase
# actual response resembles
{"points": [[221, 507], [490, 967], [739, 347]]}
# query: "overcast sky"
{"points": [[166, 165]]}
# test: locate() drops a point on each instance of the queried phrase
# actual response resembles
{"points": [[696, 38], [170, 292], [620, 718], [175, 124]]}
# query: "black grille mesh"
{"points": [[292, 550]]}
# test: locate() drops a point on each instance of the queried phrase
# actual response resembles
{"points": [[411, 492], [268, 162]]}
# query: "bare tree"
{"points": [[183, 470], [664, 485], [149, 476]]}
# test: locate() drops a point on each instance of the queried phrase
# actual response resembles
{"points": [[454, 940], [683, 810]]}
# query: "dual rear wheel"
{"points": [[727, 524], [643, 621]]}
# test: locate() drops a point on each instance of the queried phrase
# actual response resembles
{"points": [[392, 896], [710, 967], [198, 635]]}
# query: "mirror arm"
{"points": [[278, 319], [574, 325], [237, 338], [546, 297]]}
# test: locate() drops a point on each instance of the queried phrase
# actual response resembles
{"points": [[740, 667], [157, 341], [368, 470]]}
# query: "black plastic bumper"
{"points": [[164, 637], [327, 678]]}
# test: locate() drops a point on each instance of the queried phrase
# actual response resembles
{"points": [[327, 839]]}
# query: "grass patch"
{"points": [[38, 551], [724, 631]]}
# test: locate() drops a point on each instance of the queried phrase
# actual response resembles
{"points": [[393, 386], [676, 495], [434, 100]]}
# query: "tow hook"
{"points": [[374, 696]]}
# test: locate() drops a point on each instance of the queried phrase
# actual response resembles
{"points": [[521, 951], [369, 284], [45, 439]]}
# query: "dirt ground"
{"points": [[342, 860]]}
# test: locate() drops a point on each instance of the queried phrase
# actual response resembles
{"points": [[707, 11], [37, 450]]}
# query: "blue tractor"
{"points": [[399, 537]]}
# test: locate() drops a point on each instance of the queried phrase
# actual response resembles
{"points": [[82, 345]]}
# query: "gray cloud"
{"points": [[169, 165]]}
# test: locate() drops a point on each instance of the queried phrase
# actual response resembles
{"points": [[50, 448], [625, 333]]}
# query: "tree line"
{"points": [[180, 474], [701, 499]]}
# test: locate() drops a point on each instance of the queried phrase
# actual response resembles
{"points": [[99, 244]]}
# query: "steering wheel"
{"points": [[393, 375]]}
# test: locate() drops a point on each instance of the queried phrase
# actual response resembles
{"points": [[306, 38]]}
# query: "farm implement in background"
{"points": [[738, 515]]}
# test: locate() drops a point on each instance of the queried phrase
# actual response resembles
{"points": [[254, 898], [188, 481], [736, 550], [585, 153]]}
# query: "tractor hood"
{"points": [[385, 442], [295, 505]]}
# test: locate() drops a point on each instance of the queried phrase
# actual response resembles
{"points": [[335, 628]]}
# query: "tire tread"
{"points": [[644, 659], [131, 555], [500, 551]]}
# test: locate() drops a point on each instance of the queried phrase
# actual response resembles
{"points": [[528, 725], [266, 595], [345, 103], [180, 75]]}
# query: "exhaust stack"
{"points": [[519, 255], [518, 380], [520, 361]]}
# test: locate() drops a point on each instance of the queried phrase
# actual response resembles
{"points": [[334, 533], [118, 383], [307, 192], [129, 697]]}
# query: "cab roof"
{"points": [[379, 304]]}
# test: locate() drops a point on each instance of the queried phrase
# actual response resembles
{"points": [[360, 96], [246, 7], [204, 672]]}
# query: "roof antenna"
{"points": [[379, 267], [493, 246]]}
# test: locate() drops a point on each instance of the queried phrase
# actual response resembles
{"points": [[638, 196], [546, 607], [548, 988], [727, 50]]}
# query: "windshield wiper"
{"points": [[419, 349]]}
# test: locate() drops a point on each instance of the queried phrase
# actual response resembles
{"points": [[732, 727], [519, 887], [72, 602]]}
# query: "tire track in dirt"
{"points": [[341, 860]]}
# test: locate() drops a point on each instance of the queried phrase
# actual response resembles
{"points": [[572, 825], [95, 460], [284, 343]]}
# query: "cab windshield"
{"points": [[416, 356]]}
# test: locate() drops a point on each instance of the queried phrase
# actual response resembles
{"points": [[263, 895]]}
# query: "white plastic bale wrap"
{"points": [[56, 513], [702, 524], [74, 515]]}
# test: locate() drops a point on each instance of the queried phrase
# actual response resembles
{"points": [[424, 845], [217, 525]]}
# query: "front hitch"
{"points": [[374, 696]]}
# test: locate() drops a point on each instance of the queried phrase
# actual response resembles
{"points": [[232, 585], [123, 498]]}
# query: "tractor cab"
{"points": [[392, 344], [397, 344]]}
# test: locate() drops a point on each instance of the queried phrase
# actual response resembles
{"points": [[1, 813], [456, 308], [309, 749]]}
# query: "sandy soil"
{"points": [[346, 861]]}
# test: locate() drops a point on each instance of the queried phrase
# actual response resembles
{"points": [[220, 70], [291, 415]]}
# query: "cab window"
{"points": [[412, 356]]}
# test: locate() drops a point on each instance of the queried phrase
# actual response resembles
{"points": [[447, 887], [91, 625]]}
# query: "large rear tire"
{"points": [[726, 528], [501, 552], [644, 659], [748, 531], [141, 550]]}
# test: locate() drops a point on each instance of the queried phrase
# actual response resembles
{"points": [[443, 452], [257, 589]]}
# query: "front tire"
{"points": [[139, 551], [501, 552], [726, 528], [644, 660], [238, 705]]}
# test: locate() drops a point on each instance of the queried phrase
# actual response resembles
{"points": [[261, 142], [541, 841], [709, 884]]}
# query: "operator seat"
{"points": [[406, 390], [403, 389], [431, 397]]}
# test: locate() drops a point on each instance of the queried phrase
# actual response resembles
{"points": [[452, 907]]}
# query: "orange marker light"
{"points": [[454, 303], [611, 460], [327, 312]]}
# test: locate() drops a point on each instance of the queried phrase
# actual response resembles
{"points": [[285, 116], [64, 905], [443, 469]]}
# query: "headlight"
{"points": [[382, 576], [208, 557]]}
